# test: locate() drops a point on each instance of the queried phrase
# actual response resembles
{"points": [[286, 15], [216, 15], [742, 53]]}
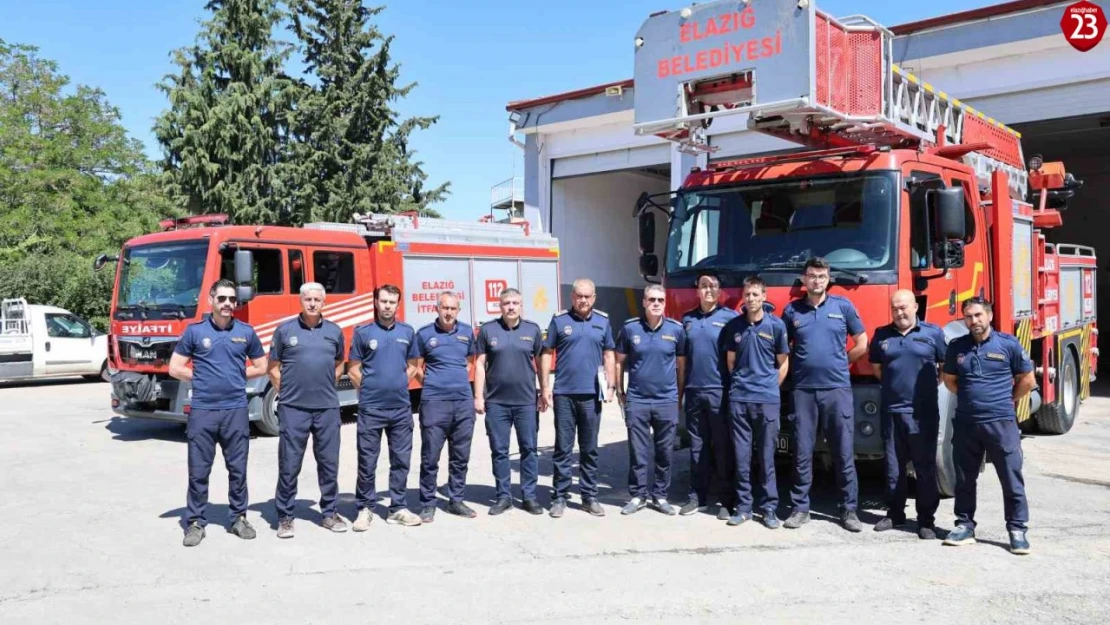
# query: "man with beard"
{"points": [[818, 326], [379, 367], [989, 372], [706, 418], [306, 363], [505, 391], [219, 347], [653, 348], [906, 355], [445, 352]]}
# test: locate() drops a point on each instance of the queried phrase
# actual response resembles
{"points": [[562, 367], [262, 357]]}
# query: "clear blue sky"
{"points": [[469, 58]]}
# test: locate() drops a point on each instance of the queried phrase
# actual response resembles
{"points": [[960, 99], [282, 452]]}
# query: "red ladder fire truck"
{"points": [[896, 184], [163, 279]]}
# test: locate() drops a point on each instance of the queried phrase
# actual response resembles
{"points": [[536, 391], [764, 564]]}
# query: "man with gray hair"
{"points": [[306, 363]]}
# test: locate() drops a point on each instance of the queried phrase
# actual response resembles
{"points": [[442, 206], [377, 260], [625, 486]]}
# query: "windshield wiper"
{"points": [[860, 277], [130, 310], [178, 312]]}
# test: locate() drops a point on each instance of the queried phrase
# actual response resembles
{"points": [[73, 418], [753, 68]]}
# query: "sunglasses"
{"points": [[227, 298], [656, 300]]}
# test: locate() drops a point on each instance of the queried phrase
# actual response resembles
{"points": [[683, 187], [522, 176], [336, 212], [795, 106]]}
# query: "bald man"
{"points": [[907, 355]]}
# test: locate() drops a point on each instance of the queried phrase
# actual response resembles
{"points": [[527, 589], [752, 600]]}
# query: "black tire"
{"points": [[946, 466], [103, 376], [269, 424], [1059, 417]]}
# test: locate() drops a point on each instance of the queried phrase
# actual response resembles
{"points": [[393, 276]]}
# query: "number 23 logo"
{"points": [[1083, 25]]}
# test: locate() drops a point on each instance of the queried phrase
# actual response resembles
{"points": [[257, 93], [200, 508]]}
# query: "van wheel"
{"points": [[103, 376], [1058, 417], [269, 424]]}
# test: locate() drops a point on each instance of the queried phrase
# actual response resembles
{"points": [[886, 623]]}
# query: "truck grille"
{"points": [[146, 350]]}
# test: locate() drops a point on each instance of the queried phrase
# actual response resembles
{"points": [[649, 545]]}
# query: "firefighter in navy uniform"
{"points": [[989, 372], [219, 347], [652, 348], [906, 355], [704, 401], [819, 325]]}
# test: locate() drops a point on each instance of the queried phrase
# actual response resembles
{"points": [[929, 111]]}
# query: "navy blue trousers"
{"points": [[576, 415], [911, 437], [1001, 442], [450, 421], [712, 463], [397, 425], [500, 419], [833, 411], [296, 425], [230, 429], [755, 426], [650, 425]]}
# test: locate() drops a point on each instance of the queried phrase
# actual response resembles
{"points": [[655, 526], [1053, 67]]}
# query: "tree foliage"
{"points": [[246, 137], [72, 185]]}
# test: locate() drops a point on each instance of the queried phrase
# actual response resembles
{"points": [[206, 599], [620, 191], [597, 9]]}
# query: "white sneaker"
{"points": [[362, 523], [403, 517]]}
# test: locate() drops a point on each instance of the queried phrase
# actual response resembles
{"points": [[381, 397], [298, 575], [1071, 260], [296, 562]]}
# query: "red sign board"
{"points": [[1083, 25], [493, 295]]}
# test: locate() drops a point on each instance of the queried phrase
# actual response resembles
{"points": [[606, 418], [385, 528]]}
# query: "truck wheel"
{"points": [[1058, 417], [269, 424], [946, 466]]}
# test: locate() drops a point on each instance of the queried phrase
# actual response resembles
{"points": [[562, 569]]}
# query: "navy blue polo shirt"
{"points": [[308, 356], [445, 354], [819, 340], [651, 359], [755, 372], [219, 362], [384, 354], [985, 375], [909, 365], [579, 345], [705, 363], [510, 361]]}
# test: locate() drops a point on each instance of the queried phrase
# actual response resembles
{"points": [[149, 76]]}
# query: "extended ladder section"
{"points": [[405, 228], [802, 76]]}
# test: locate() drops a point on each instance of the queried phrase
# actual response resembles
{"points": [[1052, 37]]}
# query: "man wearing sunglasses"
{"points": [[989, 372], [219, 347], [653, 347], [306, 363]]}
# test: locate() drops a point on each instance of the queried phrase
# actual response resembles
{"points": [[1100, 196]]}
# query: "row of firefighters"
{"points": [[723, 367]]}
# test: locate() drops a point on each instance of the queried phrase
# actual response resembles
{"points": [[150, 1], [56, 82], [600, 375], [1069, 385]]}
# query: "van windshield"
{"points": [[161, 280], [773, 227]]}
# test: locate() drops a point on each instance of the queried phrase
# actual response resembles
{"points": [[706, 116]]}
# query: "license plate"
{"points": [[782, 443]]}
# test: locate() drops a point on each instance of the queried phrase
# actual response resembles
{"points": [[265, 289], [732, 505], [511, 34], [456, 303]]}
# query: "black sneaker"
{"points": [[1019, 544], [770, 520], [962, 535], [503, 504], [193, 535], [723, 513], [593, 507], [851, 521], [459, 508], [531, 506], [796, 520], [690, 507], [558, 507], [927, 532], [428, 514], [888, 524], [242, 528]]}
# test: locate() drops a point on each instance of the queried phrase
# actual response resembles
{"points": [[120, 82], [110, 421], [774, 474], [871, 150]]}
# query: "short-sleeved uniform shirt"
{"points": [[705, 360], [757, 345], [909, 364], [219, 362], [651, 359], [384, 353], [579, 346], [510, 361], [819, 341], [985, 375], [308, 356], [445, 354]]}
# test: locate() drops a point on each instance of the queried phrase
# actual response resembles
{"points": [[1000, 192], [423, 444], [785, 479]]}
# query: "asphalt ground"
{"points": [[91, 524]]}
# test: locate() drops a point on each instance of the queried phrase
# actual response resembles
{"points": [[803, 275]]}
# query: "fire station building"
{"points": [[585, 167]]}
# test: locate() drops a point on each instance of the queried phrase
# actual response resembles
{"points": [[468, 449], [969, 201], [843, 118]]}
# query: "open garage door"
{"points": [[1083, 144]]}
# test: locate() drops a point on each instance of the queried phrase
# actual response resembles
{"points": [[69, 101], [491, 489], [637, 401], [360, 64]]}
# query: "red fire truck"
{"points": [[163, 279], [897, 184]]}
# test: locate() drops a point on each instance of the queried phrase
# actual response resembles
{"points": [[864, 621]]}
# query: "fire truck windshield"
{"points": [[161, 280], [772, 227]]}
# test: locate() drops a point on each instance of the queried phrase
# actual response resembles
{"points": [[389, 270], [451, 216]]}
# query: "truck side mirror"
{"points": [[950, 213], [649, 266], [244, 275], [647, 232]]}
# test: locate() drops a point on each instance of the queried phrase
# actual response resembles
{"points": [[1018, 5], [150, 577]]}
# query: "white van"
{"points": [[46, 342]]}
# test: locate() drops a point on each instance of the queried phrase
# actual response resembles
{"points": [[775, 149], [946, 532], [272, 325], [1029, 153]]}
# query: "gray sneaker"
{"points": [[634, 506], [403, 517], [664, 506], [796, 520], [193, 535], [593, 507], [691, 506], [558, 507], [335, 523], [242, 528], [285, 528]]}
